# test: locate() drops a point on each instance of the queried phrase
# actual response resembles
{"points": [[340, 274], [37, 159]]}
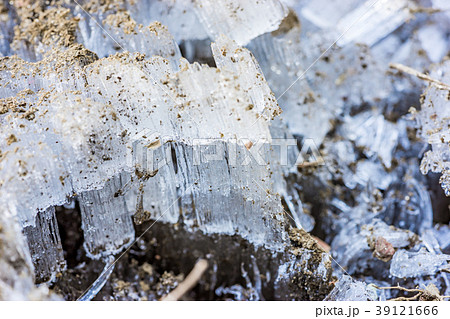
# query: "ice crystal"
{"points": [[296, 124]]}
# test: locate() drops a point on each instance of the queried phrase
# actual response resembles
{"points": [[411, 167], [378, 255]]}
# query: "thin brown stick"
{"points": [[188, 283], [400, 288], [406, 298], [419, 291], [309, 164], [424, 10], [406, 69]]}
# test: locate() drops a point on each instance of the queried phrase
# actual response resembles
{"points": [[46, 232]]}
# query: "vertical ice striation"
{"points": [[204, 152], [25, 172], [106, 30], [150, 135], [130, 101], [16, 267], [178, 190], [123, 33], [229, 56], [106, 222], [45, 246], [61, 70], [198, 180]]}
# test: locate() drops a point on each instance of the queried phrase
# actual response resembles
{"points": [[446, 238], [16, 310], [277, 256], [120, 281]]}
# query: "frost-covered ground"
{"points": [[290, 149]]}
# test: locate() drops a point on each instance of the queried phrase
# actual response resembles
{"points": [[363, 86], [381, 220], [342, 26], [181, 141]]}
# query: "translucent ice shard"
{"points": [[100, 282], [442, 233], [362, 252], [363, 21], [106, 222], [325, 14], [179, 16], [281, 58], [123, 33], [377, 136], [143, 136], [229, 56], [198, 184], [7, 23], [45, 246], [240, 20], [413, 264], [314, 82], [126, 102], [16, 267], [433, 40], [26, 172], [348, 289], [408, 205], [368, 172]]}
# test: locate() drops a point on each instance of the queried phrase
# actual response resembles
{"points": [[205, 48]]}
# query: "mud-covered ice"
{"points": [[312, 146]]}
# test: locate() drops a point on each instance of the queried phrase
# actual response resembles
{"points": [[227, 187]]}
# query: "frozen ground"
{"points": [[290, 149]]}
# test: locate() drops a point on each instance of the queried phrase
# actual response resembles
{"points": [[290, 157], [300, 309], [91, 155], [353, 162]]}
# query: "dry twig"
{"points": [[406, 69], [430, 293], [188, 283]]}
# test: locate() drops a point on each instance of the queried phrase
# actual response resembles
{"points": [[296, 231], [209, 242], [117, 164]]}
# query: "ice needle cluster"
{"points": [[167, 131]]}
